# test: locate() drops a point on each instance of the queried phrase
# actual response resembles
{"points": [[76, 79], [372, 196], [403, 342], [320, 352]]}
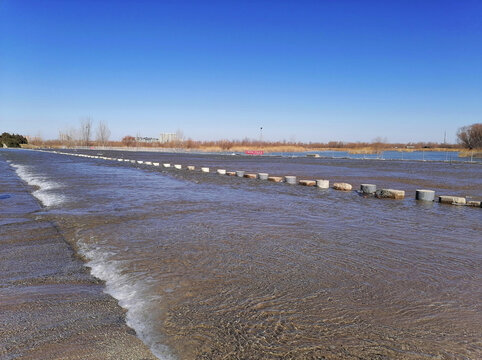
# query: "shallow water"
{"points": [[213, 266], [419, 155], [48, 300]]}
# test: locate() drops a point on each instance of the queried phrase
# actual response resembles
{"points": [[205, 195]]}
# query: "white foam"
{"points": [[132, 295], [45, 186]]}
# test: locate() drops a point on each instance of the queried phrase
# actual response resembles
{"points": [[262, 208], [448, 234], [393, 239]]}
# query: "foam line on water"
{"points": [[131, 294], [45, 191]]}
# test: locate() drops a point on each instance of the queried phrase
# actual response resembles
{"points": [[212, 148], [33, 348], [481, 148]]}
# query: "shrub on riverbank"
{"points": [[471, 136], [12, 140]]}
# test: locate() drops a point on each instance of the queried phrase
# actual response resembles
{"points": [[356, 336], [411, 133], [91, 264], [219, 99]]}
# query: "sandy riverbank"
{"points": [[50, 305]]}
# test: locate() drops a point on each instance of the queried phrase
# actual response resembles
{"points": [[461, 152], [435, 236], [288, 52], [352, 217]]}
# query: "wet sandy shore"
{"points": [[50, 305]]}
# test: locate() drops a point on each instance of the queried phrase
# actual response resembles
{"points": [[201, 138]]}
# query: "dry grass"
{"points": [[269, 147], [469, 153], [29, 146], [364, 150], [275, 148]]}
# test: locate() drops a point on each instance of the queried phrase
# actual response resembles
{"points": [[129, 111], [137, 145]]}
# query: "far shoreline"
{"points": [[476, 153], [266, 149]]}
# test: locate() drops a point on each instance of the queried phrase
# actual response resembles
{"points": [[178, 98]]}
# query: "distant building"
{"points": [[168, 137], [146, 139]]}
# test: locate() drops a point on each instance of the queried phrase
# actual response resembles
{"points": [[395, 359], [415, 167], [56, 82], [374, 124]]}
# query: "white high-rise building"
{"points": [[168, 137]]}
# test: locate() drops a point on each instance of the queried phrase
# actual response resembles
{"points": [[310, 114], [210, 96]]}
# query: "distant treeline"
{"points": [[268, 146], [469, 137], [12, 140]]}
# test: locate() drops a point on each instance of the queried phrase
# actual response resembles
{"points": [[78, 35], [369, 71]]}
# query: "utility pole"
{"points": [[445, 137], [261, 134]]}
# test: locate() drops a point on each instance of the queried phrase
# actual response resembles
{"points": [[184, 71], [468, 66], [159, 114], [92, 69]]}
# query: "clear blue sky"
{"points": [[304, 70]]}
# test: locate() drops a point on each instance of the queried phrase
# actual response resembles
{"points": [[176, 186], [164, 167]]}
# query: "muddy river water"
{"points": [[220, 267]]}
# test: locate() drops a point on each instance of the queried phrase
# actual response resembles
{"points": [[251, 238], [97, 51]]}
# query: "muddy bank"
{"points": [[50, 305]]}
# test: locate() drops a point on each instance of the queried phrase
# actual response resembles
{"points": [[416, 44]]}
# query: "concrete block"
{"points": [[307, 182], [140, 162], [155, 163], [191, 167], [453, 200], [323, 184], [148, 163], [133, 161], [239, 173], [425, 195], [390, 194], [166, 165], [205, 169], [290, 180], [178, 166], [221, 171], [368, 189], [474, 203], [342, 186], [263, 176]]}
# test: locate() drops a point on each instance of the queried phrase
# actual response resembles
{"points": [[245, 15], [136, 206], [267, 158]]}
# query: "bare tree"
{"points": [[85, 130], [73, 137], [103, 133], [129, 140], [69, 137], [378, 144], [470, 136], [180, 135], [63, 137], [37, 139]]}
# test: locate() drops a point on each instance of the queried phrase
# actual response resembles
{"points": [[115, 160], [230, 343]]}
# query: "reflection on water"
{"points": [[212, 266]]}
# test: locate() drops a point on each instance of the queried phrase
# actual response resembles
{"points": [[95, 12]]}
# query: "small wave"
{"points": [[43, 186], [131, 294]]}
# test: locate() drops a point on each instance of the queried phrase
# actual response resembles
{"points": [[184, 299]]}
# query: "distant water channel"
{"points": [[219, 267], [448, 156]]}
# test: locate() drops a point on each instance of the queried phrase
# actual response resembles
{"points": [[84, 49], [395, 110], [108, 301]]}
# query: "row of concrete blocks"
{"points": [[421, 195], [365, 189]]}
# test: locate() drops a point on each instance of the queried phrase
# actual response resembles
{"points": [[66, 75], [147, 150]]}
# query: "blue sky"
{"points": [[303, 70]]}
